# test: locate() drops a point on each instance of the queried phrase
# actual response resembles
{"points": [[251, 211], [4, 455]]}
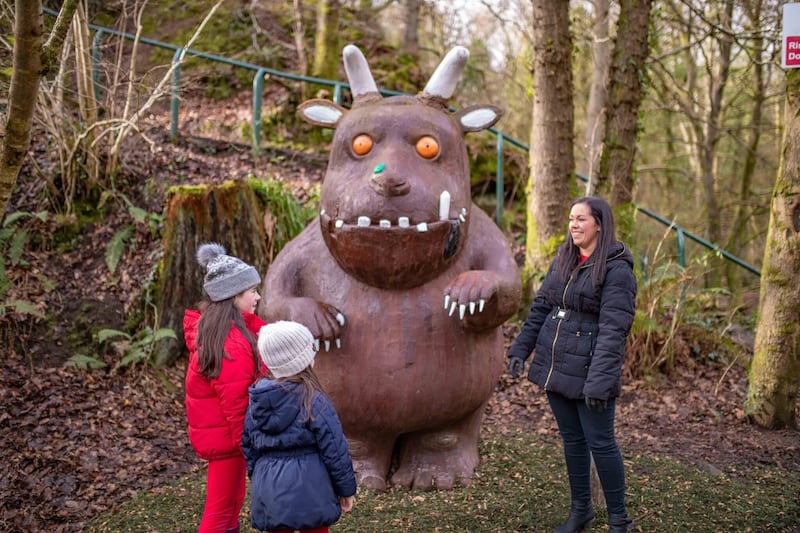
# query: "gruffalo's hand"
{"points": [[323, 320], [470, 292]]}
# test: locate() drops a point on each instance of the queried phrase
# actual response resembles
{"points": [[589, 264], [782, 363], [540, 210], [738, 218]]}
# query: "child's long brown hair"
{"points": [[307, 378], [212, 330]]}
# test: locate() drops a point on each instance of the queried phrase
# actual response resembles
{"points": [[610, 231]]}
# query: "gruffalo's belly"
{"points": [[404, 364]]}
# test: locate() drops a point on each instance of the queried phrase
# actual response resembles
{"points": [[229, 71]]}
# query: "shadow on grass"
{"points": [[520, 486]]}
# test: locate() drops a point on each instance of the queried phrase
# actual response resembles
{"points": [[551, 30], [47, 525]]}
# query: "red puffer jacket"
{"points": [[215, 408]]}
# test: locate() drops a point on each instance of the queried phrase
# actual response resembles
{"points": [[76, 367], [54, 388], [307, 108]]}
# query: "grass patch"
{"points": [[521, 486]]}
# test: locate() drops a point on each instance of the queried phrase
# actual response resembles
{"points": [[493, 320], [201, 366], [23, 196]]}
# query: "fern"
{"points": [[84, 362], [116, 247]]}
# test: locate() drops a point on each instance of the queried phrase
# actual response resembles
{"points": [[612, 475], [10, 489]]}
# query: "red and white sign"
{"points": [[790, 58]]}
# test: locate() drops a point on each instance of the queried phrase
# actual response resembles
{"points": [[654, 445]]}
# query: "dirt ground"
{"points": [[75, 443]]}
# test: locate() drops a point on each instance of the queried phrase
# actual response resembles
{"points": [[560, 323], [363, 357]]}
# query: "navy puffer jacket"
{"points": [[577, 332], [298, 468]]}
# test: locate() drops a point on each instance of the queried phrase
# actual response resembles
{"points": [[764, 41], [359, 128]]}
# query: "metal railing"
{"points": [[260, 73]]}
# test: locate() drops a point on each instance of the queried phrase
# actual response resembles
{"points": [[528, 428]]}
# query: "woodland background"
{"points": [[89, 418]]}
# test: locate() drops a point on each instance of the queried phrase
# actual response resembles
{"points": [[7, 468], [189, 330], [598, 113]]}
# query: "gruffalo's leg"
{"points": [[440, 458], [372, 457]]}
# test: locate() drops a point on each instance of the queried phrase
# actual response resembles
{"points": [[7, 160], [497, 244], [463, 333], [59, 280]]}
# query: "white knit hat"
{"points": [[287, 348], [226, 276]]}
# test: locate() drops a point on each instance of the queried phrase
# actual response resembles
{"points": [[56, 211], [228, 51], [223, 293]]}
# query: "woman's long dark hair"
{"points": [[212, 330], [309, 382], [569, 254]]}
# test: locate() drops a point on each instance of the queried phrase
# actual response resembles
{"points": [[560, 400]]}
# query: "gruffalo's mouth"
{"points": [[393, 254]]}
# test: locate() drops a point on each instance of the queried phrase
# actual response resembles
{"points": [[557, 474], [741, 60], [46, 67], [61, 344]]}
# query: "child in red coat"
{"points": [[223, 362]]}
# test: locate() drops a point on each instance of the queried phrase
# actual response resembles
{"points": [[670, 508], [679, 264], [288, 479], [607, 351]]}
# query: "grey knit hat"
{"points": [[226, 276], [287, 348]]}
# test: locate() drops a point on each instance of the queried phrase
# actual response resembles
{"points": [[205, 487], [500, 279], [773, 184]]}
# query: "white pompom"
{"points": [[207, 252]]}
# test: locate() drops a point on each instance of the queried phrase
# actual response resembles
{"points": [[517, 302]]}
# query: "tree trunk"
{"points": [[598, 94], [31, 60], [231, 214], [775, 370], [551, 154], [713, 126], [739, 234], [410, 32], [326, 43], [625, 96]]}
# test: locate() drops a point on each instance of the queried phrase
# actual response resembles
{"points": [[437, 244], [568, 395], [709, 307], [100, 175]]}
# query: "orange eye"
{"points": [[427, 147], [362, 144]]}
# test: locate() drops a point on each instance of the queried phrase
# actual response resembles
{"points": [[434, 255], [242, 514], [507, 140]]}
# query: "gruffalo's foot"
{"points": [[371, 460], [436, 461]]}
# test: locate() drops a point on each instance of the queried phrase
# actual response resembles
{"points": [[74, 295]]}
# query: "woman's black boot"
{"points": [[619, 523], [581, 517]]}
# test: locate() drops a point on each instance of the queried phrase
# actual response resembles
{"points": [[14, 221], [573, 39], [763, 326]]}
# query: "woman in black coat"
{"points": [[576, 332]]}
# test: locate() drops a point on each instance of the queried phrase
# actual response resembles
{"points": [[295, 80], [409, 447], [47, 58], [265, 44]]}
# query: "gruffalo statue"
{"points": [[403, 280]]}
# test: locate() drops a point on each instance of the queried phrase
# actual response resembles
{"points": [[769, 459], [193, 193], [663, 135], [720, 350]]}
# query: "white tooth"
{"points": [[452, 308], [385, 223], [446, 300], [422, 227], [340, 319], [327, 346], [444, 205], [472, 308], [339, 343], [462, 218], [461, 309], [363, 222], [339, 223], [402, 222], [316, 344], [464, 211], [321, 213], [480, 305]]}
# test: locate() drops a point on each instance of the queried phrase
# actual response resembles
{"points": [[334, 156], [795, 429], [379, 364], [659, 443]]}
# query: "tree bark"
{"points": [[231, 214], [775, 370], [598, 93], [552, 158], [616, 179], [411, 27], [326, 43], [31, 61], [739, 233]]}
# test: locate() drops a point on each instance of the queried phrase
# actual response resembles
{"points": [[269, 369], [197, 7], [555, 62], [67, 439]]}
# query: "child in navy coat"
{"points": [[298, 461]]}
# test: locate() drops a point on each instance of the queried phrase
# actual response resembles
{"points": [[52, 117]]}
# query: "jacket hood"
{"points": [[276, 404], [617, 250], [190, 320]]}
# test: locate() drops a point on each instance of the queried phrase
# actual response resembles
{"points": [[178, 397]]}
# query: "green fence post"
{"points": [[499, 194], [258, 88], [681, 246], [96, 63], [175, 100], [337, 93]]}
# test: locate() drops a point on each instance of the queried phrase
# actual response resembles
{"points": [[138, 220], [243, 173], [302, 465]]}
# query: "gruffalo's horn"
{"points": [[444, 79], [362, 84]]}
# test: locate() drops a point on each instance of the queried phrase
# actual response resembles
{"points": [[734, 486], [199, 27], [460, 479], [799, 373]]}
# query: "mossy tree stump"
{"points": [[231, 214]]}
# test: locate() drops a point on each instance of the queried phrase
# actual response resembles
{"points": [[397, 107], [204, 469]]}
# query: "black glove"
{"points": [[516, 366], [596, 404]]}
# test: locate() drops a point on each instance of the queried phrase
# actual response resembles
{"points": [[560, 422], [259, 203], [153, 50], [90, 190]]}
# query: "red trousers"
{"points": [[225, 490]]}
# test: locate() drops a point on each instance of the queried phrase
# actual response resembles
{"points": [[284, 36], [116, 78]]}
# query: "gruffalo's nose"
{"points": [[389, 185]]}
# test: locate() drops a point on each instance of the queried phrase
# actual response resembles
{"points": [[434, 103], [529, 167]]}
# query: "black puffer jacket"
{"points": [[577, 333]]}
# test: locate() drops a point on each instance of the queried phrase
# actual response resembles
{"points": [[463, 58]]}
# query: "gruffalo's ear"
{"points": [[321, 112], [478, 117]]}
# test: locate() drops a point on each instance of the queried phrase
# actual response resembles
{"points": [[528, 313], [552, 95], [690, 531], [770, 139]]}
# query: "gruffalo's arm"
{"points": [[489, 293], [287, 292]]}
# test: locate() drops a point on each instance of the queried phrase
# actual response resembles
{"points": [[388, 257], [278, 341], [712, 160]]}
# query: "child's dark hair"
{"points": [[212, 331], [569, 254], [309, 381]]}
